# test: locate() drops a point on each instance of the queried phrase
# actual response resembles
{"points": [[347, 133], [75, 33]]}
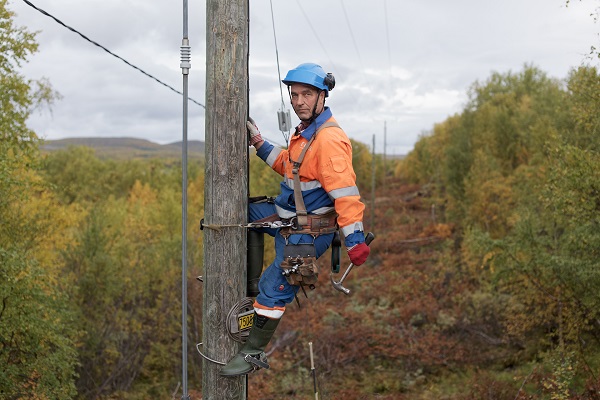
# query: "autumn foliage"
{"points": [[482, 283]]}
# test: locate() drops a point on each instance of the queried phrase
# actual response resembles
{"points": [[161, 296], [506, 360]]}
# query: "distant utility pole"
{"points": [[373, 171], [384, 151], [225, 190]]}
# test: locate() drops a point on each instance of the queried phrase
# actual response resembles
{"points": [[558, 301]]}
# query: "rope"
{"points": [[255, 225], [216, 227]]}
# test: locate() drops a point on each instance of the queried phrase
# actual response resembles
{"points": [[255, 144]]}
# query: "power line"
{"points": [[316, 35], [387, 34], [277, 54], [352, 36], [283, 115], [108, 51]]}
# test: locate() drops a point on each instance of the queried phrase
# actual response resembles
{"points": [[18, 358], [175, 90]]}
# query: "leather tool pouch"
{"points": [[299, 265]]}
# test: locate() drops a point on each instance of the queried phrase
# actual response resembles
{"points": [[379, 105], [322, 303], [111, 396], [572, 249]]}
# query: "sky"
{"points": [[400, 66]]}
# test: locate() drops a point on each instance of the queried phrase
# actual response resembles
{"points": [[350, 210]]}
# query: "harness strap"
{"points": [[300, 207]]}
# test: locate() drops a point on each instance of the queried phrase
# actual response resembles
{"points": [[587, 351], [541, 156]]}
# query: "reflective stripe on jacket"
{"points": [[326, 174]]}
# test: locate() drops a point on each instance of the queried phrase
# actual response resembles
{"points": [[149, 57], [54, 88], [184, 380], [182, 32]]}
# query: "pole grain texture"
{"points": [[226, 188]]}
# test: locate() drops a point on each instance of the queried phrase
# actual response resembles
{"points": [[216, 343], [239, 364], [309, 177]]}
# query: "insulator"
{"points": [[186, 56]]}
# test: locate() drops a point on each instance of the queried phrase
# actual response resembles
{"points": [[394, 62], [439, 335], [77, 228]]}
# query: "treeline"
{"points": [[517, 173], [91, 268], [90, 251], [90, 256]]}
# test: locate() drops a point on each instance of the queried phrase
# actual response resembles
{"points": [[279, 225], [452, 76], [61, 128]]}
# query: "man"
{"points": [[319, 185]]}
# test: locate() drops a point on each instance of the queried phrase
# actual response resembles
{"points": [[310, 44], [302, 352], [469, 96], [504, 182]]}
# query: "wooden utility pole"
{"points": [[226, 188]]}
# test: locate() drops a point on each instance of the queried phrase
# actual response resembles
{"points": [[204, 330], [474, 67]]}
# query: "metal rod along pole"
{"points": [[248, 117], [185, 69]]}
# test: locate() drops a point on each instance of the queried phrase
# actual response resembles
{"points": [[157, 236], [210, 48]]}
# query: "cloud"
{"points": [[408, 68]]}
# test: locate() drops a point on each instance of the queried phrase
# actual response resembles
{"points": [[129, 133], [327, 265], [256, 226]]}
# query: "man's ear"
{"points": [[322, 92]]}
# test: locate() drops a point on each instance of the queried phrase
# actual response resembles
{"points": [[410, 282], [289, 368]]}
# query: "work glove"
{"points": [[358, 253], [255, 136]]}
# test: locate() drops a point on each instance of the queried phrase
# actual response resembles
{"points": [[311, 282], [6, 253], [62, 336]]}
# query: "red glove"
{"points": [[358, 253]]}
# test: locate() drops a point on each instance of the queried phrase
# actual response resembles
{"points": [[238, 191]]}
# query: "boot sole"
{"points": [[236, 373]]}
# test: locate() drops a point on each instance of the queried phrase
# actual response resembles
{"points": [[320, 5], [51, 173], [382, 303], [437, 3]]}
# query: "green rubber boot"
{"points": [[252, 356], [254, 260]]}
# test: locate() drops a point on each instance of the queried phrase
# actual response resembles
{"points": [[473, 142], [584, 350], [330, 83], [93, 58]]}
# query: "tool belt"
{"points": [[299, 265], [316, 225], [300, 260]]}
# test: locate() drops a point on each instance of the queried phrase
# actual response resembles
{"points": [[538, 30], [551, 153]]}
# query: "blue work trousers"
{"points": [[275, 291]]}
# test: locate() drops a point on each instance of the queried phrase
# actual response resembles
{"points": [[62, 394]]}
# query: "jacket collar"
{"points": [[320, 120]]}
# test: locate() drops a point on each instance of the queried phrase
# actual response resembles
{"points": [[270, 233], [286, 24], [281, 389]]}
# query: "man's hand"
{"points": [[358, 253], [255, 136]]}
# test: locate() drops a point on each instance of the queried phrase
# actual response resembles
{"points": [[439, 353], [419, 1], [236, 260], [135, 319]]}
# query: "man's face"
{"points": [[304, 98]]}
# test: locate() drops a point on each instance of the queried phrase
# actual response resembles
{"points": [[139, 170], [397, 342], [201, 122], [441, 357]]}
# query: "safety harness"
{"points": [[299, 261], [299, 265]]}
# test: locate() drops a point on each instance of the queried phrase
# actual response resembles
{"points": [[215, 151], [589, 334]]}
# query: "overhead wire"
{"points": [[316, 35], [120, 58], [390, 80], [286, 135], [387, 34], [277, 54], [352, 36], [108, 51]]}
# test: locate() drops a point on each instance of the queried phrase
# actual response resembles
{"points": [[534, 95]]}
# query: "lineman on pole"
{"points": [[318, 195]]}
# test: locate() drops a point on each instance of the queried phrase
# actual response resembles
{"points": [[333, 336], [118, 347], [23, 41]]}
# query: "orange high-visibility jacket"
{"points": [[327, 177]]}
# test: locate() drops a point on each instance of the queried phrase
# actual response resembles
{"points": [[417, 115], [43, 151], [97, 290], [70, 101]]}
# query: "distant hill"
{"points": [[123, 148], [128, 148]]}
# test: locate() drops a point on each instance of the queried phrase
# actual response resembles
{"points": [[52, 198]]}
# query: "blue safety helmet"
{"points": [[311, 74]]}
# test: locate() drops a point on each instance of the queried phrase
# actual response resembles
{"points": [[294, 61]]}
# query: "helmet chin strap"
{"points": [[314, 111]]}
